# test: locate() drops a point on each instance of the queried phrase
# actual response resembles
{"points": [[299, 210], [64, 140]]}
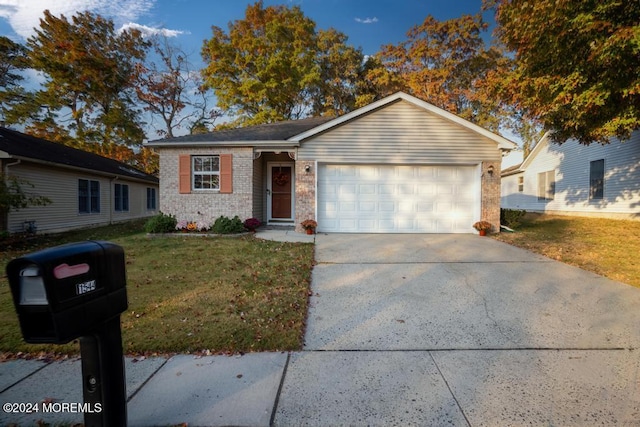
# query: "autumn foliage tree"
{"points": [[577, 65], [87, 100], [447, 64], [273, 66]]}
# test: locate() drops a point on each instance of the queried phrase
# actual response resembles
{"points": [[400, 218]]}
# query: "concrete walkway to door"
{"points": [[461, 330]]}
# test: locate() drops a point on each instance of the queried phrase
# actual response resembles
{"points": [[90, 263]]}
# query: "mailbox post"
{"points": [[78, 291]]}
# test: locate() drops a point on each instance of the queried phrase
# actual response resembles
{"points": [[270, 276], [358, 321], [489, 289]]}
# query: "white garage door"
{"points": [[398, 199]]}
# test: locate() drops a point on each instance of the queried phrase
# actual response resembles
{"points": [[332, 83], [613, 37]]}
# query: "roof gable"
{"points": [[24, 146], [502, 142]]}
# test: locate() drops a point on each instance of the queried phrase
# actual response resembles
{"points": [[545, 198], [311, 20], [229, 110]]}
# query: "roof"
{"points": [[293, 132], [21, 146], [511, 170], [264, 133]]}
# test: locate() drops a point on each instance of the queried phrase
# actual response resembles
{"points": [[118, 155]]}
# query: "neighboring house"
{"points": [[398, 165], [85, 189], [574, 179]]}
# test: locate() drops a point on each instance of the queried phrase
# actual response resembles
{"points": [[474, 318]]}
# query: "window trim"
{"points": [[211, 173], [520, 184]]}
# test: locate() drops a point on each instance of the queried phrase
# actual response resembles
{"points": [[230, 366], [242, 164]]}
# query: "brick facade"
{"points": [[305, 192], [490, 198], [206, 205]]}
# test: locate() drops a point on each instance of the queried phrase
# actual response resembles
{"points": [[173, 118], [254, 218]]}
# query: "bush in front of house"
{"points": [[226, 225], [161, 223], [511, 217]]}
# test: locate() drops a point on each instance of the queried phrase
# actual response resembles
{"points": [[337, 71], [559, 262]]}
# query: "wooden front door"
{"points": [[281, 191]]}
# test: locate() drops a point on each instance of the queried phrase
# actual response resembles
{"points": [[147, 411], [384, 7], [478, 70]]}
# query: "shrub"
{"points": [[252, 223], [161, 223], [511, 217], [224, 225]]}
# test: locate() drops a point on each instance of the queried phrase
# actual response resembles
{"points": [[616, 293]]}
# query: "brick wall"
{"points": [[207, 205], [490, 209], [305, 192]]}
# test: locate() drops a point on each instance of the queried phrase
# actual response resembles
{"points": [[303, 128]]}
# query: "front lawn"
{"points": [[193, 294], [604, 246]]}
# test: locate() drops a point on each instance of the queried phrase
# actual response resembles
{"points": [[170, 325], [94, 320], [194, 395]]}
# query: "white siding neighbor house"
{"points": [[398, 165], [84, 189], [574, 179]]}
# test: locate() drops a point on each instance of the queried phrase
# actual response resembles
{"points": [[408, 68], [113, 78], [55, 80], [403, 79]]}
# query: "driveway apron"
{"points": [[461, 330]]}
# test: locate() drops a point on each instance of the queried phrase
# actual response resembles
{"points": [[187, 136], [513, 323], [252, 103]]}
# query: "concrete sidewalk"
{"points": [[424, 330], [325, 388]]}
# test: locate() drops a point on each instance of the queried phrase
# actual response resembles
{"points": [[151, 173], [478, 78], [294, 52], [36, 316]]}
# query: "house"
{"points": [[398, 165], [574, 179], [84, 189]]}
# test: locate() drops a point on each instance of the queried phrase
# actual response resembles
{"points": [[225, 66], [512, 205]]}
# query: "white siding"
{"points": [[61, 187], [400, 133], [571, 162]]}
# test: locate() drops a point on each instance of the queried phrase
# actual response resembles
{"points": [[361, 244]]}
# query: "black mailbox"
{"points": [[65, 292]]}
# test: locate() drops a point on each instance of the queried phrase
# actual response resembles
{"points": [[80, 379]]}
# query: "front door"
{"points": [[280, 192]]}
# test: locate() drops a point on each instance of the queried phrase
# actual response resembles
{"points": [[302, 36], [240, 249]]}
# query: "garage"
{"points": [[355, 198]]}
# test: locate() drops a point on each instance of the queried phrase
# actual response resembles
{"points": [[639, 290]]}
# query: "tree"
{"points": [[342, 67], [172, 91], [447, 64], [13, 60], [577, 66], [274, 66], [14, 197], [87, 100]]}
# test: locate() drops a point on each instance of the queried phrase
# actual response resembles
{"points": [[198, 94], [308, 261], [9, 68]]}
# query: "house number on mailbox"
{"points": [[83, 288]]}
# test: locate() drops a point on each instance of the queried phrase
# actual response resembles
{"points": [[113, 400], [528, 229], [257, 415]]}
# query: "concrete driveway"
{"points": [[461, 330]]}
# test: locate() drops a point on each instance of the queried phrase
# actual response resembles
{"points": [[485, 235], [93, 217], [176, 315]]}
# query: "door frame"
{"points": [[270, 219]]}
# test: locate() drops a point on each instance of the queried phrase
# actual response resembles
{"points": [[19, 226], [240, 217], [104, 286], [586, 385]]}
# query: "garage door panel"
{"points": [[401, 198], [364, 189]]}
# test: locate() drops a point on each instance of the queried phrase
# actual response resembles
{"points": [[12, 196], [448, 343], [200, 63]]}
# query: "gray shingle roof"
{"points": [[279, 131], [29, 147]]}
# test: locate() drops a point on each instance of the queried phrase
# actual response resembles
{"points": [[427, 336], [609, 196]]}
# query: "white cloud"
{"points": [[366, 20], [150, 31], [24, 15]]}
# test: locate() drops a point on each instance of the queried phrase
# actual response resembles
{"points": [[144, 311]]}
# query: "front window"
{"points": [[206, 172], [596, 180], [88, 196], [121, 197], [520, 184]]}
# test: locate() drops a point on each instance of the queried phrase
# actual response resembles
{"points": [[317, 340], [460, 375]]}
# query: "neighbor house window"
{"points": [[206, 172], [546, 185], [520, 184], [121, 197], [596, 180], [88, 196], [151, 199]]}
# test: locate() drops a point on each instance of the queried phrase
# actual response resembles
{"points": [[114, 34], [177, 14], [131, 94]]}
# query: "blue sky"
{"points": [[368, 23]]}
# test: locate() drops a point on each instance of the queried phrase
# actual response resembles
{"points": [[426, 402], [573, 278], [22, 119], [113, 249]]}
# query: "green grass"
{"points": [[604, 246], [192, 294]]}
